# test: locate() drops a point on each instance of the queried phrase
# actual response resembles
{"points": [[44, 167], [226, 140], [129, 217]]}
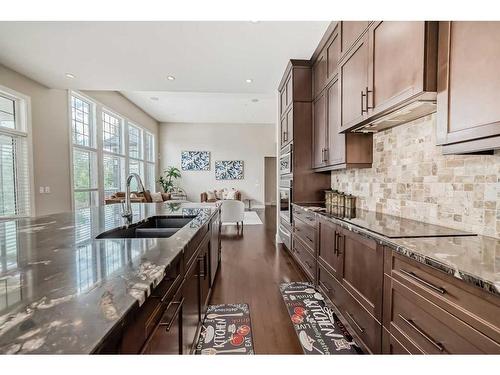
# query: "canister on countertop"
{"points": [[350, 202], [341, 199]]}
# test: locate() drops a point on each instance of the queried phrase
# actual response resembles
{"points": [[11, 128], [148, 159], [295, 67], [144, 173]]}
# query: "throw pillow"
{"points": [[231, 194], [156, 197], [211, 195]]}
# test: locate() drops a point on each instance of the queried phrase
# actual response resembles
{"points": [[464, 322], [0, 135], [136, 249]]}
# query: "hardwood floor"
{"points": [[252, 268]]}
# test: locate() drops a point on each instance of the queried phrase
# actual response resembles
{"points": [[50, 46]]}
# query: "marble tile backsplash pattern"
{"points": [[412, 179]]}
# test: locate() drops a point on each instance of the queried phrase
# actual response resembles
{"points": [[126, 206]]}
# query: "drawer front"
{"points": [[306, 216], [306, 233], [330, 286], [431, 328], [286, 237], [304, 258], [391, 345], [477, 308], [328, 247], [365, 326]]}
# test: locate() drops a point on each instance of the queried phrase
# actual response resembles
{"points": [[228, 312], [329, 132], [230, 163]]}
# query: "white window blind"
{"points": [[15, 189]]}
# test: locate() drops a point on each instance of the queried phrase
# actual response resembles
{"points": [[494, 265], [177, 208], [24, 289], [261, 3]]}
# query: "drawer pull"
{"points": [[308, 264], [309, 238], [410, 322], [326, 286], [422, 281], [357, 326], [176, 312]]}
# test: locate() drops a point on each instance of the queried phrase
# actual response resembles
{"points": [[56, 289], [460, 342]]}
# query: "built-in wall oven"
{"points": [[286, 160], [285, 205]]}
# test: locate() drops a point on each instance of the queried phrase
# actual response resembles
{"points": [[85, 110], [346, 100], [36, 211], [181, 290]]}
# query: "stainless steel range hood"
{"points": [[412, 109]]}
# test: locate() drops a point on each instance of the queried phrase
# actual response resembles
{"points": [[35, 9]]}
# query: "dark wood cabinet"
{"points": [[468, 113], [353, 85], [332, 55], [319, 132], [204, 274], [329, 255], [192, 307], [319, 73], [351, 31]]}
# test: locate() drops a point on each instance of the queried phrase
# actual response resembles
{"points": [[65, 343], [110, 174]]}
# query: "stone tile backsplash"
{"points": [[412, 179]]}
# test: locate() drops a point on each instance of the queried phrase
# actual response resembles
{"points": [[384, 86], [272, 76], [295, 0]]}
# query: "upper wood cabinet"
{"points": [[319, 132], [335, 145], [353, 80], [325, 66], [350, 32], [468, 86], [319, 72]]}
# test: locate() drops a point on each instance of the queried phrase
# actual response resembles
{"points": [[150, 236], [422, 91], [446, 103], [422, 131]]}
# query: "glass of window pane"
{"points": [[112, 133], [85, 199], [149, 147], [84, 169], [7, 113], [114, 174], [136, 166], [7, 176], [135, 142], [80, 122], [150, 177]]}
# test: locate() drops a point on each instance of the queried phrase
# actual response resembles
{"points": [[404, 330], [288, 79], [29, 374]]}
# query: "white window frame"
{"points": [[23, 128], [97, 118]]}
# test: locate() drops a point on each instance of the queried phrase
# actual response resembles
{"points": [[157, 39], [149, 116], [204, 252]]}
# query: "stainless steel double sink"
{"points": [[153, 227]]}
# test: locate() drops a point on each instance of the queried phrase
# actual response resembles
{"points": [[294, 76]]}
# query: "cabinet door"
{"points": [[363, 270], [333, 55], [468, 81], [204, 274], [214, 248], [328, 249], [191, 308], [319, 131], [351, 31], [289, 90], [319, 72], [283, 128], [353, 78], [397, 55], [289, 125], [283, 103], [335, 150]]}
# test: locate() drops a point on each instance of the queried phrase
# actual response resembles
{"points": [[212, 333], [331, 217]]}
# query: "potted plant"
{"points": [[169, 176]]}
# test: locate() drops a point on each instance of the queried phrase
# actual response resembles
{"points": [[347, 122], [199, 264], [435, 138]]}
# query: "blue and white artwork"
{"points": [[195, 160], [229, 170]]}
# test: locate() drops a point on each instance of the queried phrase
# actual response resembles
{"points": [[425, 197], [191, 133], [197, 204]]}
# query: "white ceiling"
{"points": [[136, 57]]}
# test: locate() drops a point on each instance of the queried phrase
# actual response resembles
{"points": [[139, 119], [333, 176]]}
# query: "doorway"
{"points": [[270, 180]]}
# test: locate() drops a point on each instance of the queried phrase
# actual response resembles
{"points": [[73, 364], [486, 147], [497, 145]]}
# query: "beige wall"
{"points": [[50, 131], [411, 178], [270, 181], [250, 143]]}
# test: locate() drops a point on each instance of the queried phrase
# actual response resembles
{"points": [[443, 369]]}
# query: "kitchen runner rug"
{"points": [[317, 326], [227, 329]]}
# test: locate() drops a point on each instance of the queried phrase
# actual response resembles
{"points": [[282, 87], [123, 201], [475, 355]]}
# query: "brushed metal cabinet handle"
{"points": [[176, 313], [417, 329], [433, 287]]}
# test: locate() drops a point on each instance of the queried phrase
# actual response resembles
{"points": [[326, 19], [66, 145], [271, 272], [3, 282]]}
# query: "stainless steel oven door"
{"points": [[285, 206], [286, 160]]}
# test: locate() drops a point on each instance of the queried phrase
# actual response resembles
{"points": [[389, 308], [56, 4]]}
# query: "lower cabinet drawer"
{"points": [[306, 233], [330, 286], [391, 345], [429, 327], [304, 258], [365, 326]]}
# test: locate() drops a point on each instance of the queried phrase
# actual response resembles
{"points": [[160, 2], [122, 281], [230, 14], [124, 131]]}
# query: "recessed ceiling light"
{"points": [[255, 100], [69, 75], [171, 78], [155, 98], [249, 80]]}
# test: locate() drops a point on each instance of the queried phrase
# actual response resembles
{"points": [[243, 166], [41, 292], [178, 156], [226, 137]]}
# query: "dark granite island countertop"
{"points": [[465, 256], [63, 291]]}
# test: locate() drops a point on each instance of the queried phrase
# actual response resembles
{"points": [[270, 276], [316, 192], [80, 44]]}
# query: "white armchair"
{"points": [[233, 211]]}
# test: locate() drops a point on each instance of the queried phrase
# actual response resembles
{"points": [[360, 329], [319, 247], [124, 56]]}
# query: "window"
{"points": [[84, 153], [105, 151], [15, 187]]}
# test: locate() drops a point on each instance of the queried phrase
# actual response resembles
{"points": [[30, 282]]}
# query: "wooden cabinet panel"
{"points": [[319, 72], [391, 345], [283, 100], [204, 275], [431, 328], [397, 51], [289, 90], [191, 308], [353, 78], [362, 272], [468, 82], [319, 131], [305, 259], [283, 128], [350, 32], [306, 216], [328, 247], [336, 146], [330, 286], [289, 125], [306, 233], [333, 55]]}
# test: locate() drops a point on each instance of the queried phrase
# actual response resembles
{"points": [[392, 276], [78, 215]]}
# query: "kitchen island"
{"points": [[64, 291]]}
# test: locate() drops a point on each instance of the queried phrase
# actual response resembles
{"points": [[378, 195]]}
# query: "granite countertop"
{"points": [[63, 291], [468, 257]]}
